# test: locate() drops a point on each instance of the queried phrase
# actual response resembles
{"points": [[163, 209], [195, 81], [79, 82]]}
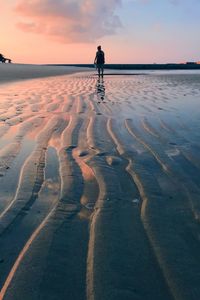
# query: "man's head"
{"points": [[99, 48]]}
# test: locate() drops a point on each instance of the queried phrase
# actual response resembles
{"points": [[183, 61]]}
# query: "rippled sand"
{"points": [[100, 188]]}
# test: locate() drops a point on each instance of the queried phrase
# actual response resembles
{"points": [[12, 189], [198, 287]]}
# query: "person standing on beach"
{"points": [[99, 61]]}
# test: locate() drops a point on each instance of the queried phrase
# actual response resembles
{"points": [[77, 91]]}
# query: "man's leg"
{"points": [[99, 70], [102, 70]]}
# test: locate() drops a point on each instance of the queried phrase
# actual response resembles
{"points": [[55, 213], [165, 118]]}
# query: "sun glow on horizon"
{"points": [[129, 32]]}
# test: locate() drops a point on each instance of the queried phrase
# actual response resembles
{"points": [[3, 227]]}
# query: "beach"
{"points": [[16, 72], [99, 185]]}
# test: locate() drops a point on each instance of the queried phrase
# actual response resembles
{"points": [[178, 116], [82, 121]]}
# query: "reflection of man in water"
{"points": [[100, 90], [99, 61]]}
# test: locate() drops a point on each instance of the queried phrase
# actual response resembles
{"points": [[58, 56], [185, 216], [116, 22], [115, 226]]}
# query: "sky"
{"points": [[129, 31]]}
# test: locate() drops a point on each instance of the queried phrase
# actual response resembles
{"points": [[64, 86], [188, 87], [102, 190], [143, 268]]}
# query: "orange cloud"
{"points": [[67, 20]]}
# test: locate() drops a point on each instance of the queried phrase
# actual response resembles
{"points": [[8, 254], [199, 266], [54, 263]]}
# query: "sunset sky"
{"points": [[130, 31]]}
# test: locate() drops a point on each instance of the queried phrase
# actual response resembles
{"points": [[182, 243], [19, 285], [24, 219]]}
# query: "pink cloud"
{"points": [[69, 20]]}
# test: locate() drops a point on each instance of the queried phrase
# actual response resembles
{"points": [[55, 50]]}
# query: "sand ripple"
{"points": [[100, 188]]}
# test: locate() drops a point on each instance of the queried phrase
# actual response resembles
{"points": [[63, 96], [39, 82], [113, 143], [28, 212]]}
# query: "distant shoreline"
{"points": [[169, 66], [18, 72]]}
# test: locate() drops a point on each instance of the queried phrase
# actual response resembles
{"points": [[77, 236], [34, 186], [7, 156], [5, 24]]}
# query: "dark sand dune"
{"points": [[100, 188]]}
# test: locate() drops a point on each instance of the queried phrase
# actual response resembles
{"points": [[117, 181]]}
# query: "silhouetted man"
{"points": [[99, 61]]}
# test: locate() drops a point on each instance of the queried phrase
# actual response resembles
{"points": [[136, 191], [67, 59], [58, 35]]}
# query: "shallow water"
{"points": [[103, 178]]}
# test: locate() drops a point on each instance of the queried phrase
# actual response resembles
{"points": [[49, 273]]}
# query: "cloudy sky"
{"points": [[130, 31]]}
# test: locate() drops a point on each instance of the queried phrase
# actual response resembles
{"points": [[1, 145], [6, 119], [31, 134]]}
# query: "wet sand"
{"points": [[100, 188], [14, 72]]}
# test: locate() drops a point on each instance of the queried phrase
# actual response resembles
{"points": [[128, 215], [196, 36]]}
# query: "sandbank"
{"points": [[15, 72]]}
